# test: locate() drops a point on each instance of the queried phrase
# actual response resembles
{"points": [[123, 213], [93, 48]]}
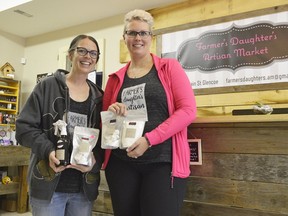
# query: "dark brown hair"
{"points": [[76, 40]]}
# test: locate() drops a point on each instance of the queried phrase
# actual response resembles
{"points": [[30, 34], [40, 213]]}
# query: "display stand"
{"points": [[16, 156]]}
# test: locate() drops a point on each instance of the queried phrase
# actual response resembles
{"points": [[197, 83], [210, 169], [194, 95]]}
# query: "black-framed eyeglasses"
{"points": [[142, 34], [83, 51]]}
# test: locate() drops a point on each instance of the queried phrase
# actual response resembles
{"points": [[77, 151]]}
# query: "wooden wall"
{"points": [[245, 158], [244, 170]]}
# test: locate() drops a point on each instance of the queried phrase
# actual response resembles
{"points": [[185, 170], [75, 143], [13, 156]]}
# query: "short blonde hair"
{"points": [[138, 14]]}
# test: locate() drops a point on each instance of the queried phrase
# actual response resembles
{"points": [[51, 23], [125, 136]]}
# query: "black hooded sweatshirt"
{"points": [[49, 102]]}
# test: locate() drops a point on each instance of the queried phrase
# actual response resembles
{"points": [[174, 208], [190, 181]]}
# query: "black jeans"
{"points": [[144, 189]]}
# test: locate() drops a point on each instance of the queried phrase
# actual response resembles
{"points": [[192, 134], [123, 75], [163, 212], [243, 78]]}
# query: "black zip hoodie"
{"points": [[49, 102]]}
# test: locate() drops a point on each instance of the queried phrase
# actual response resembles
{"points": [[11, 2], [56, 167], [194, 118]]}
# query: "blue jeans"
{"points": [[62, 204]]}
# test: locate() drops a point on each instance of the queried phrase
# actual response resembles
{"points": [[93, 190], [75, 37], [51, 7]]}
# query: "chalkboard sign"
{"points": [[195, 151]]}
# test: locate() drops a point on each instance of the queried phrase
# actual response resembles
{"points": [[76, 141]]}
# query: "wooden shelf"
{"points": [[243, 119], [9, 98], [10, 188], [16, 156]]}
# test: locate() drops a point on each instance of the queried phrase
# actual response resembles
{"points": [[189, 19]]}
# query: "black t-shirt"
{"points": [[71, 179], [157, 111]]}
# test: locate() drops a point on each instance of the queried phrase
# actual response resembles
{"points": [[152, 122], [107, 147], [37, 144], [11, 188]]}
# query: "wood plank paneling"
{"points": [[19, 154], [243, 140], [196, 13], [244, 170], [243, 98], [9, 188], [227, 110], [197, 209], [240, 194], [244, 167]]}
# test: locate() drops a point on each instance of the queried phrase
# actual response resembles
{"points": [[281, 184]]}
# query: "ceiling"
{"points": [[52, 15]]}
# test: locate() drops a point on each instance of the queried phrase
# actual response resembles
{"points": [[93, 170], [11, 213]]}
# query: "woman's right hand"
{"points": [[53, 162], [118, 108]]}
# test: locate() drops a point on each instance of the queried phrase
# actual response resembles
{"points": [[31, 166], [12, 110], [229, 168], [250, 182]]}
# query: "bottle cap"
{"points": [[63, 130]]}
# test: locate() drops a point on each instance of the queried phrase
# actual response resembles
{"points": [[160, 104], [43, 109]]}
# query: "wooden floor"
{"points": [[4, 213]]}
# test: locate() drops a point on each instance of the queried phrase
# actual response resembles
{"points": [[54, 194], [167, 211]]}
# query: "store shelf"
{"points": [[10, 188], [9, 101], [16, 156]]}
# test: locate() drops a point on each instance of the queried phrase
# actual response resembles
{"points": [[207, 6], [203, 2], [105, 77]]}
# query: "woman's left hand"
{"points": [[83, 168], [118, 108], [138, 148]]}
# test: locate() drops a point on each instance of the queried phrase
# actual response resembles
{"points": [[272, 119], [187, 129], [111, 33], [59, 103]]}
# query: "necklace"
{"points": [[133, 74], [137, 73], [140, 70]]}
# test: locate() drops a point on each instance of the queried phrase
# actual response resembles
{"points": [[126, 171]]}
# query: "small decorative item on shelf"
{"points": [[7, 71], [3, 173], [7, 136], [9, 106], [7, 118], [6, 180], [262, 109]]}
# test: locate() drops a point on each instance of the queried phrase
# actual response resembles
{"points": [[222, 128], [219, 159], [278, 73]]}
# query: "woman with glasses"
{"points": [[149, 178], [54, 189]]}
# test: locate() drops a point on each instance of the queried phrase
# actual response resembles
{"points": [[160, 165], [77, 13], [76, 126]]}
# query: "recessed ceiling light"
{"points": [[7, 4]]}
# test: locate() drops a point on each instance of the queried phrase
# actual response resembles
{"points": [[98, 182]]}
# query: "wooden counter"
{"points": [[16, 156], [244, 169], [243, 118]]}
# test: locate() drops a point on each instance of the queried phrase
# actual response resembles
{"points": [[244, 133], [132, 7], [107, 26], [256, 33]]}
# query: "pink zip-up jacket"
{"points": [[181, 107]]}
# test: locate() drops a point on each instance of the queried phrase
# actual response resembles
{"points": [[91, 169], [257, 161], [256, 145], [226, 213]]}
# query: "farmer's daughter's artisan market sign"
{"points": [[255, 45], [246, 53]]}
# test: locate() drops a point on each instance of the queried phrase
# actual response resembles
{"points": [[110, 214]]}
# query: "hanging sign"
{"points": [[236, 53]]}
